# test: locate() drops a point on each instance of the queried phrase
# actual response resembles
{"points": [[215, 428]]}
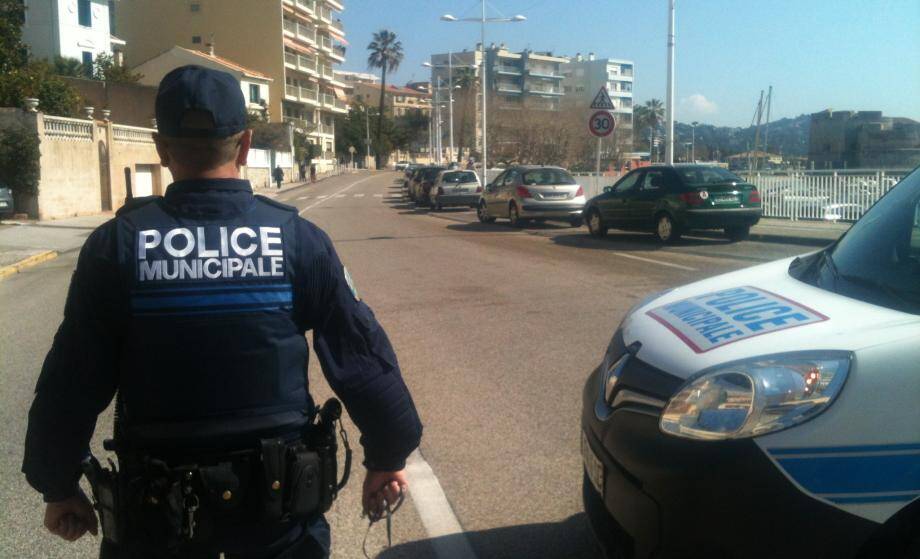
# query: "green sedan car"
{"points": [[672, 199]]}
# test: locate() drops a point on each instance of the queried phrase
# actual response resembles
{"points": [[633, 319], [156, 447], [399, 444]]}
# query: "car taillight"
{"points": [[581, 192], [754, 197], [694, 198], [523, 192], [440, 190]]}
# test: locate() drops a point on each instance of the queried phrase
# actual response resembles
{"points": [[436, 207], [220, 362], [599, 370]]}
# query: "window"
{"points": [[88, 63], [112, 17], [196, 39], [254, 96], [84, 13], [627, 183], [544, 177], [194, 7]]}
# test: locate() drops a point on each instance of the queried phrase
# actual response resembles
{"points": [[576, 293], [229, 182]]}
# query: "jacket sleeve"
{"points": [[357, 359], [78, 378]]}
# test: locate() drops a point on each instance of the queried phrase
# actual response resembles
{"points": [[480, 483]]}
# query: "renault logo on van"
{"points": [[613, 376]]}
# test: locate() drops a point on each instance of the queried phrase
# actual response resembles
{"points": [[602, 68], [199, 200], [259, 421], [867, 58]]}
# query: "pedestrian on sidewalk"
{"points": [[312, 172], [302, 171], [278, 175], [193, 308]]}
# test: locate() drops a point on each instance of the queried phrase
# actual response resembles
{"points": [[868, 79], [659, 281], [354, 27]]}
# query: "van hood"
{"points": [[757, 311]]}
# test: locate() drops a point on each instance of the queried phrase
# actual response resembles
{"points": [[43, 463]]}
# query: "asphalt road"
{"points": [[496, 330]]}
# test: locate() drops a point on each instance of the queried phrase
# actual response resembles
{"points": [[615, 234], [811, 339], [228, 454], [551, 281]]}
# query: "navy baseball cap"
{"points": [[197, 102]]}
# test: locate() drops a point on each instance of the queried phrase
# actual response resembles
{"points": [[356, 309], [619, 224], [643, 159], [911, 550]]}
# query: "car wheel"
{"points": [[738, 232], [514, 217], [596, 225], [665, 229], [577, 222], [483, 214]]}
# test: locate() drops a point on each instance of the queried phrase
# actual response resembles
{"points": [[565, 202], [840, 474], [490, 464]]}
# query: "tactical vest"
{"points": [[212, 355]]}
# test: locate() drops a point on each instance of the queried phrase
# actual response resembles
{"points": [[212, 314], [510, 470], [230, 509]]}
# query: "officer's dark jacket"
{"points": [[193, 307]]}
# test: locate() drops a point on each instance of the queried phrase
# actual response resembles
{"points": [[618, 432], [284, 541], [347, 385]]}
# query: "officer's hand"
{"points": [[382, 485], [71, 518]]}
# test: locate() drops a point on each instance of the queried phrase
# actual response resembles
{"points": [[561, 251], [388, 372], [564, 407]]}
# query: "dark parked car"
{"points": [[672, 199], [6, 201], [421, 183]]}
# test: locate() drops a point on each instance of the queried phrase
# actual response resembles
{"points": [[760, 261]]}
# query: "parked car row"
{"points": [[667, 200]]}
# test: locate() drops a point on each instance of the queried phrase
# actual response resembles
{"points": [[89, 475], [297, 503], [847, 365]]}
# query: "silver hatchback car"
{"points": [[454, 188], [525, 192]]}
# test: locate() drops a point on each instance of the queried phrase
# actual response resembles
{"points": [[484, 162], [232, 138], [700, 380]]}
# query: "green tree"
{"points": [[69, 67], [386, 53], [37, 80], [106, 69], [465, 79], [19, 157], [13, 53]]}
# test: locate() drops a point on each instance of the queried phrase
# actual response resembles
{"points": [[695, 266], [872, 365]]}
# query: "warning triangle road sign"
{"points": [[602, 101]]}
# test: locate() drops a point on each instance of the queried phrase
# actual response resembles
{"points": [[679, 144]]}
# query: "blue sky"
{"points": [[817, 54]]}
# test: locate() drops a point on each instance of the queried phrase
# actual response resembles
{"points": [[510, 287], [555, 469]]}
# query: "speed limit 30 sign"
{"points": [[601, 124]]}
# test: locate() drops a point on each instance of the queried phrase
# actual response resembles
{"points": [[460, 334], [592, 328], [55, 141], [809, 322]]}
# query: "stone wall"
{"points": [[131, 104]]}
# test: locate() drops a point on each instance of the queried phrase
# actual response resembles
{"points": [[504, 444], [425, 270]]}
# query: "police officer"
{"points": [[192, 307]]}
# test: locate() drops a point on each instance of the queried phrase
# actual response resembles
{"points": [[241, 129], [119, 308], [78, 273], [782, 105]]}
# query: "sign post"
{"points": [[601, 123]]}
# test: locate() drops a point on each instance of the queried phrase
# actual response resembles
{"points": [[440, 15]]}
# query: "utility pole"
{"points": [[766, 127], [437, 102], [484, 71], [367, 128], [758, 118], [450, 100], [669, 109]]}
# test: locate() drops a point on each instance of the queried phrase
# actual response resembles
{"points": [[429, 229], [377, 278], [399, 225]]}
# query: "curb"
{"points": [[33, 260]]}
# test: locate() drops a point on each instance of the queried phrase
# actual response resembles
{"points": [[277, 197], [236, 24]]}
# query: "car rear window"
{"points": [[430, 174], [707, 175], [538, 177], [460, 177]]}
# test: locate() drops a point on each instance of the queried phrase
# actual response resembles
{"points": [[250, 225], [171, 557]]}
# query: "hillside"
{"points": [[787, 136]]}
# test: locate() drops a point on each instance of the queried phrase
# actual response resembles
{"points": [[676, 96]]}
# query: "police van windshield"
{"points": [[878, 260]]}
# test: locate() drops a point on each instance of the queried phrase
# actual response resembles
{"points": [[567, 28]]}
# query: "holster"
{"points": [[104, 485]]}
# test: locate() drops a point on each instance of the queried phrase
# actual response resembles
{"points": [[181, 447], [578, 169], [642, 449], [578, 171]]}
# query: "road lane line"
{"points": [[359, 195], [339, 195], [659, 262], [302, 197], [378, 195], [326, 197], [435, 511]]}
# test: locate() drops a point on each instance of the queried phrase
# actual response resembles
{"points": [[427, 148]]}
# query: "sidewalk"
{"points": [[272, 191], [816, 233], [21, 240]]}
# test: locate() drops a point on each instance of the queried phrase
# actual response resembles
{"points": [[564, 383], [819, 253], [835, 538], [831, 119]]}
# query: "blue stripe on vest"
{"points": [[205, 300]]}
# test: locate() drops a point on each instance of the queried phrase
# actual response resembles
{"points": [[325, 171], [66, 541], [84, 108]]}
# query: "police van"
{"points": [[768, 412]]}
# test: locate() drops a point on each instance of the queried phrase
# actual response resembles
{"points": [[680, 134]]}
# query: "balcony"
{"points": [[338, 52], [544, 73], [326, 71], [306, 33], [302, 94], [307, 64], [325, 43], [290, 60], [324, 13], [336, 5], [550, 91], [308, 5], [507, 70], [509, 89], [332, 103], [303, 126], [290, 27], [337, 26]]}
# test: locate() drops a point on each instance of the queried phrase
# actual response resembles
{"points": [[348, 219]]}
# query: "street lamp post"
{"points": [[450, 93], [669, 109], [482, 20]]}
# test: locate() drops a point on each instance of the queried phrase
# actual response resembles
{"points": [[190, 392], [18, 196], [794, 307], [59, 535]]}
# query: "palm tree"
{"points": [[465, 79], [385, 53], [654, 112]]}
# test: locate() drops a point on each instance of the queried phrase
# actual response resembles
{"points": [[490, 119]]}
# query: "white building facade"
{"points": [[79, 29]]}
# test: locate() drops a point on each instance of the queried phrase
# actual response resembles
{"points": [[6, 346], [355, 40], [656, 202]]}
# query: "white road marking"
{"points": [[378, 195], [653, 261], [435, 511], [359, 195], [303, 197], [339, 193], [321, 196]]}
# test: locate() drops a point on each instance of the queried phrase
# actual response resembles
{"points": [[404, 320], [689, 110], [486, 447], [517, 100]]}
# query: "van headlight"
{"points": [[756, 396]]}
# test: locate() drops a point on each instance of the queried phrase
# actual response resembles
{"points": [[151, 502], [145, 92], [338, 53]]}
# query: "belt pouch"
{"points": [[304, 494], [272, 482]]}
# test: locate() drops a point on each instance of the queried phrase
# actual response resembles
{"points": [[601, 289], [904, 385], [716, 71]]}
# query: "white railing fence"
{"points": [[132, 134], [826, 195], [62, 128]]}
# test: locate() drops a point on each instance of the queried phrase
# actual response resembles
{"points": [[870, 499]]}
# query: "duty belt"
{"points": [[166, 505]]}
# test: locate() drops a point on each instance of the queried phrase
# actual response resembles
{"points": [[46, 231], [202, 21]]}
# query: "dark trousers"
{"points": [[311, 541]]}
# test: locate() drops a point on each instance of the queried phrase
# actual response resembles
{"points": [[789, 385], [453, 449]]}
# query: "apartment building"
{"points": [[295, 43], [80, 29], [584, 76], [400, 101]]}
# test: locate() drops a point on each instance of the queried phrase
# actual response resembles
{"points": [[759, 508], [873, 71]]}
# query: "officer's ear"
{"points": [[162, 149], [245, 143]]}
